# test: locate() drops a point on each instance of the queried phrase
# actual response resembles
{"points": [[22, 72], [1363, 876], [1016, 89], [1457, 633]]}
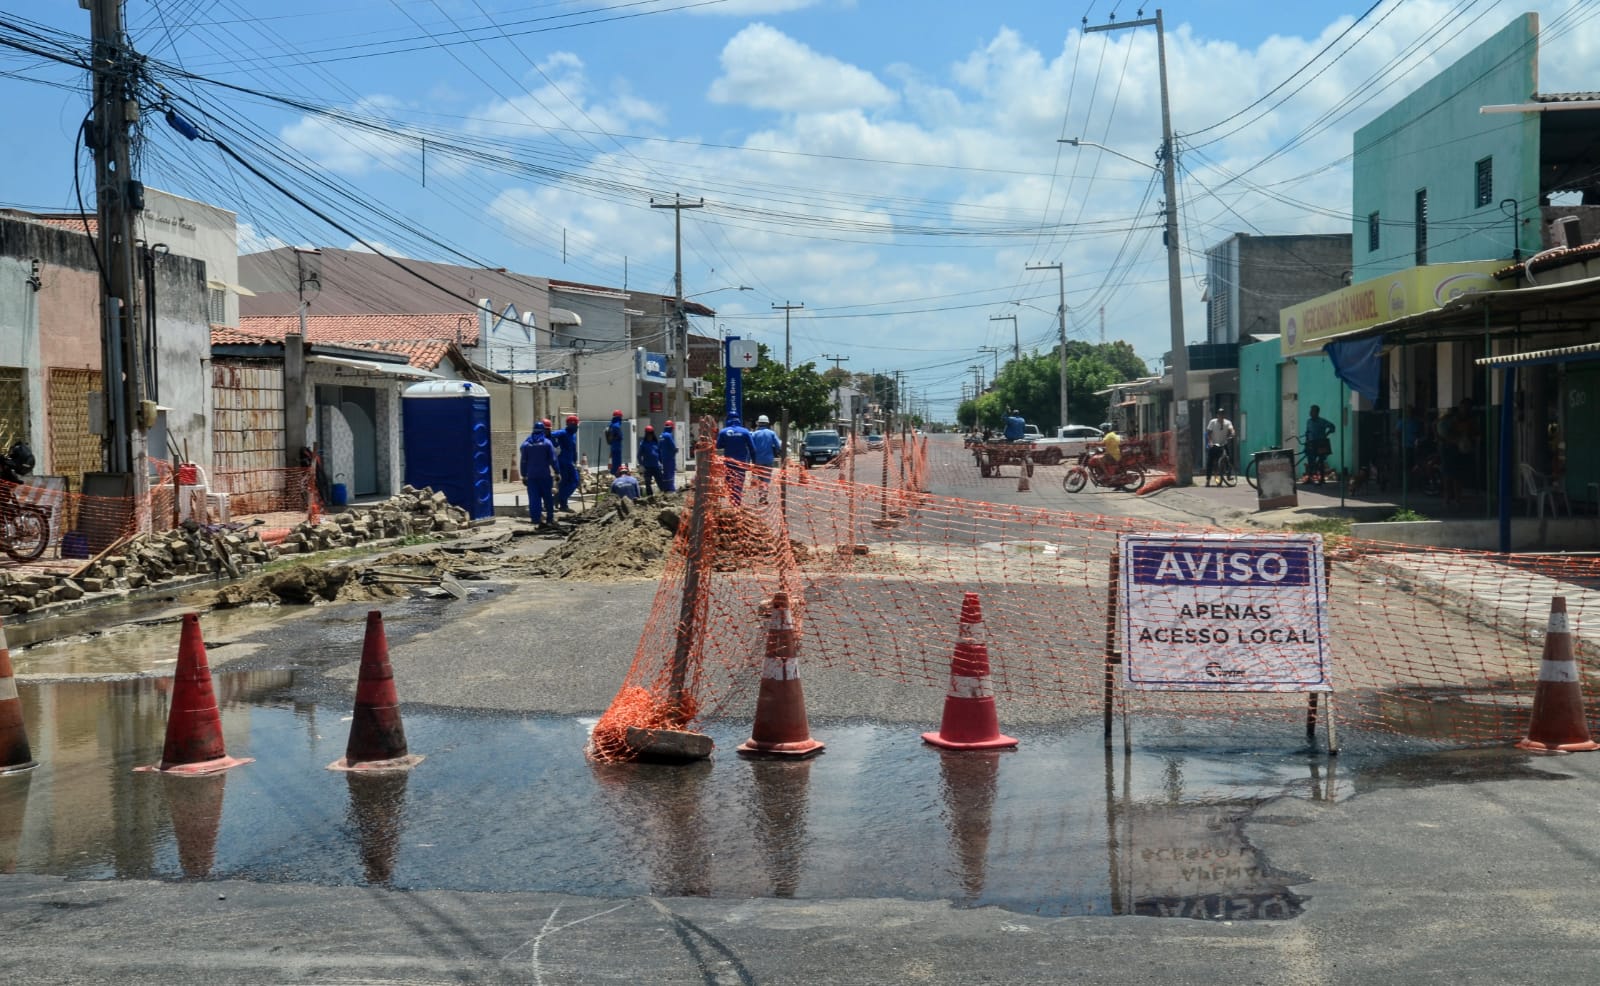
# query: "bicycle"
{"points": [[1302, 466], [1223, 470]]}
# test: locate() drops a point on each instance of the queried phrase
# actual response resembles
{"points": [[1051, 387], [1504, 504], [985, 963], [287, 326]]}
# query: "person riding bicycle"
{"points": [[1318, 448], [1219, 435]]}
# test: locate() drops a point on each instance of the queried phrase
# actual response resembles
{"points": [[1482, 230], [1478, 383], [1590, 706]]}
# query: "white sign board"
{"points": [[743, 353], [1224, 612]]}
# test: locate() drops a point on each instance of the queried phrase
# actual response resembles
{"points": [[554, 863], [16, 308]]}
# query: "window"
{"points": [[1372, 232], [1422, 226], [217, 306], [1485, 183]]}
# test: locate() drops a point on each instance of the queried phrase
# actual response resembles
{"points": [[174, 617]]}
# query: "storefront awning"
{"points": [[404, 371], [1565, 354], [1365, 308], [1573, 306]]}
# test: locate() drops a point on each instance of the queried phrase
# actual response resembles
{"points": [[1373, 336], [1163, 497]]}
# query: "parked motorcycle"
{"points": [[1092, 467]]}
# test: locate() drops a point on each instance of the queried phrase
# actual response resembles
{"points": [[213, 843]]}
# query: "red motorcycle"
{"points": [[1092, 467]]}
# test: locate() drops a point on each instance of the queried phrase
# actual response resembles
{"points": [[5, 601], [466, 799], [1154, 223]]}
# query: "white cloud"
{"points": [[764, 68], [348, 149], [377, 246]]}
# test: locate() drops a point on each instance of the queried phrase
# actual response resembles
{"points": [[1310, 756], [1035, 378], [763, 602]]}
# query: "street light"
{"points": [[1182, 458]]}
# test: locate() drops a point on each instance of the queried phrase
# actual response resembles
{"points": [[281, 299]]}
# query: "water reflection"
{"points": [[377, 812], [507, 802]]}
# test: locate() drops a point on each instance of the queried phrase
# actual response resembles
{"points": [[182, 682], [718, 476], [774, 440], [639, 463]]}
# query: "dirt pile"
{"points": [[624, 541], [303, 585]]}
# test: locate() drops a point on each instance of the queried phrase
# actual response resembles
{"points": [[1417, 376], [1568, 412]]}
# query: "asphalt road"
{"points": [[1446, 867]]}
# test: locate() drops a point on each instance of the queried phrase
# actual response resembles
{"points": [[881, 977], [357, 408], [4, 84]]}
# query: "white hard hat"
{"points": [[763, 420]]}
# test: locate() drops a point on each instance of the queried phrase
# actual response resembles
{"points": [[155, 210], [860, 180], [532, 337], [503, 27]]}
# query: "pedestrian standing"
{"points": [[537, 460], [1319, 444], [733, 441], [1219, 435], [650, 460], [625, 484], [614, 440], [566, 442], [669, 458]]}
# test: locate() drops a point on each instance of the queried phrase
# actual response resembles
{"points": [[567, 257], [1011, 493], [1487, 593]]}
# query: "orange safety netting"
{"points": [[78, 525], [1433, 644]]}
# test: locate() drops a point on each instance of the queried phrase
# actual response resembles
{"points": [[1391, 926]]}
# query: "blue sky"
{"points": [[893, 166]]}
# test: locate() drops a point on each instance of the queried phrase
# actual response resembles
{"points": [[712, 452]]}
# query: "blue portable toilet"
{"points": [[446, 426]]}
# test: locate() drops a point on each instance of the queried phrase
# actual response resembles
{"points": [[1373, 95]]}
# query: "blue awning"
{"points": [[1356, 363]]}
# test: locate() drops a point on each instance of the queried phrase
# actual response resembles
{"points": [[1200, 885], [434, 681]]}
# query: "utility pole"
{"points": [[1183, 462], [838, 383], [977, 378], [120, 198], [995, 352], [1016, 337], [1061, 326], [1102, 325], [786, 308], [681, 335]]}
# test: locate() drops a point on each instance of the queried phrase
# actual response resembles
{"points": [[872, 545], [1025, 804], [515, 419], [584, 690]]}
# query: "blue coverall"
{"points": [[733, 441], [650, 462], [566, 441], [614, 439], [1015, 429], [538, 467], [625, 485], [669, 460]]}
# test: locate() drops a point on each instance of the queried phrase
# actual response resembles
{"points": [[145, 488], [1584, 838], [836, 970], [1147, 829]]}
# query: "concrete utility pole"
{"points": [[1016, 337], [838, 384], [788, 351], [1061, 325], [129, 412], [680, 400], [995, 352], [1183, 463]]}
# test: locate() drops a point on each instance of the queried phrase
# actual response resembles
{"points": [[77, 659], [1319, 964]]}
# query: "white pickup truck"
{"points": [[1070, 441]]}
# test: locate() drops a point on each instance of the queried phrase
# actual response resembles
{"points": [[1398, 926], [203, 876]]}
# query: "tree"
{"points": [[967, 414], [879, 388], [769, 388], [1033, 383]]}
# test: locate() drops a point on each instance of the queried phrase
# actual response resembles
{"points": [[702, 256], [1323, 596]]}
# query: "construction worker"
{"points": [[669, 458], [566, 442], [614, 440], [537, 460], [733, 441], [650, 460], [625, 484]]}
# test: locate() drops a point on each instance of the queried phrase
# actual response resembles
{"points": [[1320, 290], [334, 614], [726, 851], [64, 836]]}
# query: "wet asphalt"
{"points": [[507, 857]]}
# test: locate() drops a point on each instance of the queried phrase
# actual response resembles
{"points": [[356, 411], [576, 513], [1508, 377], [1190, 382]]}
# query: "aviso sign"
{"points": [[1220, 612]]}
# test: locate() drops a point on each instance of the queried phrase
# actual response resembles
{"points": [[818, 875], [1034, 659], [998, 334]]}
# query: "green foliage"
{"points": [[967, 414], [1404, 515], [1033, 383], [768, 388]]}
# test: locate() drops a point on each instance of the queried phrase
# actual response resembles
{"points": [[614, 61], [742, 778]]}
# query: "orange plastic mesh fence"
{"points": [[80, 525], [1437, 645]]}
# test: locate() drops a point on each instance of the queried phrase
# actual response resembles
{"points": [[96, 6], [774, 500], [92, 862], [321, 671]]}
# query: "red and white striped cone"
{"points": [[780, 729], [1558, 720], [15, 754], [970, 721]]}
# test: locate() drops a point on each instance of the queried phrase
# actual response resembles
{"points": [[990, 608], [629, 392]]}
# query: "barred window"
{"points": [[1422, 226], [217, 306], [1485, 182], [1372, 232]]}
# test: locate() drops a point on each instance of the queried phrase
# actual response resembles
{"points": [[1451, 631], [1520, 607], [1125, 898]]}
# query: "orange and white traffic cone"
{"points": [[377, 736], [1558, 719], [780, 728], [970, 721], [15, 754], [194, 742]]}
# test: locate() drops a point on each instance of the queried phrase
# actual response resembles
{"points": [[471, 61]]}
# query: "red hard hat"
{"points": [[649, 429], [668, 424], [616, 414], [572, 419], [622, 468]]}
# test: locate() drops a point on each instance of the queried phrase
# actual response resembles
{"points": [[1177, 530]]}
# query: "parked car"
{"points": [[874, 442], [821, 447], [1069, 442]]}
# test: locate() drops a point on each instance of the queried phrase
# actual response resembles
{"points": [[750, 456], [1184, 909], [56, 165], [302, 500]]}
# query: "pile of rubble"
{"points": [[622, 540], [411, 511]]}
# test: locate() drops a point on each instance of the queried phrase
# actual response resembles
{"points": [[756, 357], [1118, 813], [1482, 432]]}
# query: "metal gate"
{"points": [[247, 435], [13, 405], [73, 450]]}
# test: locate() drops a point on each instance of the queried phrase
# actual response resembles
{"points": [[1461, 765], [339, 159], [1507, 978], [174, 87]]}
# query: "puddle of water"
{"points": [[509, 803]]}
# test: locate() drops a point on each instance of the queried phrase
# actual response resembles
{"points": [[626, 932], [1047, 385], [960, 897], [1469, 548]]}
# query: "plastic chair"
{"points": [[1539, 490]]}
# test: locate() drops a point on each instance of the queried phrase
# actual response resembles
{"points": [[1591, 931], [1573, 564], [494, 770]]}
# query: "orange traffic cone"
{"points": [[970, 721], [1558, 721], [194, 725], [377, 736], [780, 728], [1155, 484], [15, 755]]}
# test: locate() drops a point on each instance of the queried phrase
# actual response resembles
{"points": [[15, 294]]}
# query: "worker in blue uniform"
{"points": [[625, 484], [650, 460], [669, 458], [614, 440], [537, 462], [566, 442], [733, 441], [1016, 426]]}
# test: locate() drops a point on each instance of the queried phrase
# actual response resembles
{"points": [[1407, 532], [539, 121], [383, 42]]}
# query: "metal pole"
{"points": [[677, 205], [1061, 325], [1183, 458], [788, 352]]}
